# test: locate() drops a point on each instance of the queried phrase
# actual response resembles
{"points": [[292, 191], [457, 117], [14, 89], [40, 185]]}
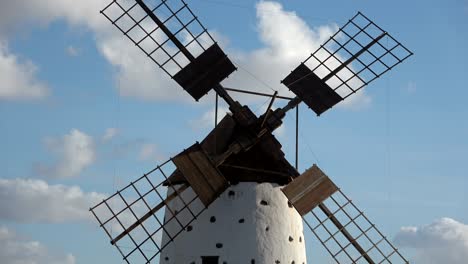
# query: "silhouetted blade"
{"points": [[358, 53], [169, 34], [206, 71], [320, 98]]}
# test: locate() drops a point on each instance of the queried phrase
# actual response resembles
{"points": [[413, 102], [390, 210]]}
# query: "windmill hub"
{"points": [[248, 223]]}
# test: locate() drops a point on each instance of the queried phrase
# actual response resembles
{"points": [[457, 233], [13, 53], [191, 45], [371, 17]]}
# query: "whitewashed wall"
{"points": [[249, 223]]}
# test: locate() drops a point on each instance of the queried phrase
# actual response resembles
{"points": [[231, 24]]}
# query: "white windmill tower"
{"points": [[234, 198]]}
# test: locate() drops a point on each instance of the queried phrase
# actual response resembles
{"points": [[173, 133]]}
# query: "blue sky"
{"points": [[400, 150]]}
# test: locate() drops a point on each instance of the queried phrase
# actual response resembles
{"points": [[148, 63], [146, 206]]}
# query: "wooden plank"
{"points": [[345, 232], [212, 176], [193, 177], [309, 190], [199, 171]]}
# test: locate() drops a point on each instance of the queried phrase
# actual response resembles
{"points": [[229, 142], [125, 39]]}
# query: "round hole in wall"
{"points": [[267, 228], [291, 239], [189, 228], [231, 193], [263, 202], [219, 245], [212, 219], [166, 258], [300, 239], [241, 220]]}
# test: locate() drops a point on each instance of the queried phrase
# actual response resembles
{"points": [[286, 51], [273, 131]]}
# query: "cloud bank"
{"points": [[16, 250], [35, 201], [76, 151], [443, 241], [18, 79]]}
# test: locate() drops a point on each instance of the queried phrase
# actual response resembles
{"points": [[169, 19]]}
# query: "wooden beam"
{"points": [[149, 214]]}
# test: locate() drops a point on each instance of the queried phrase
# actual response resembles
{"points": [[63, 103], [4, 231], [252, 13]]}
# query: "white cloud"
{"points": [[110, 133], [85, 12], [286, 38], [16, 250], [443, 241], [207, 120], [138, 76], [35, 201], [287, 41], [149, 152], [18, 79], [72, 51], [76, 152], [30, 201]]}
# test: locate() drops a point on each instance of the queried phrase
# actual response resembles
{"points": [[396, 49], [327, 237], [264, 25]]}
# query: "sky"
{"points": [[83, 112]]}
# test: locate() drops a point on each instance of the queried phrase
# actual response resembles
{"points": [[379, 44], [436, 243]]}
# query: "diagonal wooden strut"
{"points": [[149, 214], [267, 112], [313, 191], [345, 232]]}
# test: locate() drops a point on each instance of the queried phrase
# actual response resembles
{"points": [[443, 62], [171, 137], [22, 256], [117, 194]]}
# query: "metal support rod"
{"points": [[257, 93], [255, 170], [268, 108], [149, 214], [216, 110], [296, 101], [233, 105], [297, 137], [345, 232]]}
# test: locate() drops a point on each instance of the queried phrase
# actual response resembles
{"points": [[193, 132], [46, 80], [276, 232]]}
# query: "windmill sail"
{"points": [[345, 232], [170, 34], [136, 217], [358, 53]]}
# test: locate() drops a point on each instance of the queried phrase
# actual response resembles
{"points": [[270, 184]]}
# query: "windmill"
{"points": [[234, 197]]}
